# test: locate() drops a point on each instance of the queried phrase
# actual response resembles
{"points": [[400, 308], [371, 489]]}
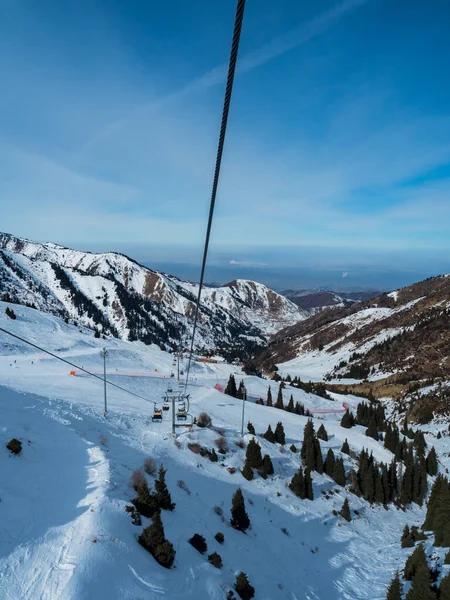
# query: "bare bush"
{"points": [[204, 420], [220, 430], [103, 439], [222, 445], [150, 466], [194, 447], [182, 485], [285, 531], [218, 510], [137, 479], [240, 443]]}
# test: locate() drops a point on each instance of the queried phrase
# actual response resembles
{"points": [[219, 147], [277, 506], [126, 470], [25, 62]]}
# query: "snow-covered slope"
{"points": [[406, 331], [64, 531], [118, 295]]}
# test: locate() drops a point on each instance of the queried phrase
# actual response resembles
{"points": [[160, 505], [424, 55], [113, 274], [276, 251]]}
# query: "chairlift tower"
{"points": [[104, 354]]}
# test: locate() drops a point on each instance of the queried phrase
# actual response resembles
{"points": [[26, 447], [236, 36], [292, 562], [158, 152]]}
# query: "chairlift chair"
{"points": [[157, 415], [166, 405], [181, 414]]}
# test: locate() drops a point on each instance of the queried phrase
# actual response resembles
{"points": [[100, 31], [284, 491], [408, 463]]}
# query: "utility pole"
{"points": [[244, 397], [173, 415], [178, 366], [104, 354]]}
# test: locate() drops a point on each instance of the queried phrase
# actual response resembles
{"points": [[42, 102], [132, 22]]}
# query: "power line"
{"points": [[223, 128], [73, 364]]}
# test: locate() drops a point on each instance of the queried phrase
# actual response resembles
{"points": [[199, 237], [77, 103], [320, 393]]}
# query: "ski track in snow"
{"points": [[64, 533]]}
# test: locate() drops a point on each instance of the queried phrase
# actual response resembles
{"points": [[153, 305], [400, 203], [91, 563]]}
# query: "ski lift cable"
{"points": [[223, 129], [73, 365]]}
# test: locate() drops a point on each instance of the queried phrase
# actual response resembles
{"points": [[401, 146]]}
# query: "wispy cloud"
{"points": [[247, 263], [277, 47]]}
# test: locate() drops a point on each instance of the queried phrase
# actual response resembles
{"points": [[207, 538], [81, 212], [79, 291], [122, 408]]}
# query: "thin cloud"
{"points": [[277, 47], [247, 263]]}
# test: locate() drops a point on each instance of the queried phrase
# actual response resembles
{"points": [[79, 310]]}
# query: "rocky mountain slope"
{"points": [[315, 300], [396, 344], [119, 296]]}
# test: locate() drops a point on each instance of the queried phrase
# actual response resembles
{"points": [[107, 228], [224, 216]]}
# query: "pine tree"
{"points": [[431, 462], [444, 588], [395, 589], [318, 456], [308, 436], [241, 391], [328, 466], [299, 408], [279, 433], [153, 540], [145, 502], [322, 433], [379, 492], [239, 516], [162, 496], [339, 472], [253, 454], [243, 587], [297, 484], [407, 540], [345, 511], [231, 389], [419, 444], [421, 588], [439, 435], [279, 403], [447, 558], [269, 397], [290, 407], [308, 485], [440, 495], [247, 471], [345, 447], [250, 428], [369, 484], [269, 435], [372, 431], [347, 420], [408, 480], [267, 466], [414, 561]]}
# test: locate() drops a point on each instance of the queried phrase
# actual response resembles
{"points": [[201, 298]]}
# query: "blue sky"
{"points": [[338, 151]]}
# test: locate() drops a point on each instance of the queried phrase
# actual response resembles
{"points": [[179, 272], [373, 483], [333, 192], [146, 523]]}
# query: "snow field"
{"points": [[64, 530]]}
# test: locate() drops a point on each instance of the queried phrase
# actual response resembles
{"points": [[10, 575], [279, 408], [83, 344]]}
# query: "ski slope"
{"points": [[64, 532]]}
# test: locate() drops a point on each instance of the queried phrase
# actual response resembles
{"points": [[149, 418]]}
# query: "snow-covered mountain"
{"points": [[397, 344], [316, 300], [120, 296]]}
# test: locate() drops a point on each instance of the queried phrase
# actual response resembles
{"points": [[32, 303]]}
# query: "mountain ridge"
{"points": [[124, 298]]}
